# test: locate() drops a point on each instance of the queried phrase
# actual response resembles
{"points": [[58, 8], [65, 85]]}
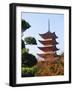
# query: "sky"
{"points": [[39, 25]]}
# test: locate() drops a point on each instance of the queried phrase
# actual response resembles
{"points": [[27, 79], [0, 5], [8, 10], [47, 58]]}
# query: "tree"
{"points": [[23, 44], [25, 25], [30, 40], [25, 50], [28, 60]]}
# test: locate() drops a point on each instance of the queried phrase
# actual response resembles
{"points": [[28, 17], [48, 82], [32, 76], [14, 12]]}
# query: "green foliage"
{"points": [[22, 44], [24, 50], [25, 25], [28, 60], [31, 70], [30, 40], [28, 72]]}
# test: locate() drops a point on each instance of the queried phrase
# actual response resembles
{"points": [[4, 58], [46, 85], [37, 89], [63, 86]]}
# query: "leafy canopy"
{"points": [[28, 60], [30, 40], [25, 25]]}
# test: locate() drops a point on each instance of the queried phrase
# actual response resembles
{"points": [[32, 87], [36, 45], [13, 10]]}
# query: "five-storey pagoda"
{"points": [[49, 49]]}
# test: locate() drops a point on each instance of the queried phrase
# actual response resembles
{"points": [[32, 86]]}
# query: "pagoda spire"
{"points": [[48, 25]]}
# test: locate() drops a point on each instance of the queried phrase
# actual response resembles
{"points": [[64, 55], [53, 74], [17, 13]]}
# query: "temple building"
{"points": [[49, 50]]}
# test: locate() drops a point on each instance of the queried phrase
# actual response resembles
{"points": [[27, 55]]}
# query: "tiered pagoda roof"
{"points": [[49, 42], [48, 35], [46, 49], [45, 55]]}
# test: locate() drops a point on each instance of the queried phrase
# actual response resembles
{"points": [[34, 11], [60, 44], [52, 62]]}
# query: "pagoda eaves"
{"points": [[47, 42], [48, 35], [45, 55], [46, 49]]}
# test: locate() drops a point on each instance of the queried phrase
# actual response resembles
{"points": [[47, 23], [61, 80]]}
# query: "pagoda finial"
{"points": [[48, 25]]}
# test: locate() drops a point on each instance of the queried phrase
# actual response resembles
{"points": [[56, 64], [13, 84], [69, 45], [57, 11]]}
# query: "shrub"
{"points": [[26, 71], [28, 60], [50, 69]]}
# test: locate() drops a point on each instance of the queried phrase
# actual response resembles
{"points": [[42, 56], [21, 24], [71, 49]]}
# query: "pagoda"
{"points": [[49, 49]]}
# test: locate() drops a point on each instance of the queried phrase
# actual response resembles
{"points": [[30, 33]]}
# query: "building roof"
{"points": [[46, 49], [48, 35], [48, 42], [46, 55]]}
